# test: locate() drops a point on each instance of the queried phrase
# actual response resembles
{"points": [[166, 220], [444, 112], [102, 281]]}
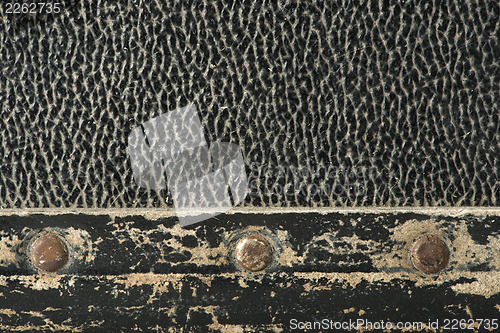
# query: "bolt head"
{"points": [[430, 254], [49, 253], [253, 253]]}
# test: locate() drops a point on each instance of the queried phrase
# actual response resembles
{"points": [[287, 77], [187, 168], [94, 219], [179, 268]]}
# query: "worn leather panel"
{"points": [[376, 103]]}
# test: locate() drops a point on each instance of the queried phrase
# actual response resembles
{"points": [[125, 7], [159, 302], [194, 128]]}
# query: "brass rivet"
{"points": [[430, 254], [253, 252], [49, 253]]}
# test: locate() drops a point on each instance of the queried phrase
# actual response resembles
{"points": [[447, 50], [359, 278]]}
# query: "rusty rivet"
{"points": [[253, 252], [49, 253], [430, 254]]}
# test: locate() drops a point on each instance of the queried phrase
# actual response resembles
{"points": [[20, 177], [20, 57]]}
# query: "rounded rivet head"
{"points": [[49, 253], [430, 254], [253, 252]]}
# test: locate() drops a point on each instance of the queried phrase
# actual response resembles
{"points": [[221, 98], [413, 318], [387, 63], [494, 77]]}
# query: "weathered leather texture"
{"points": [[378, 103]]}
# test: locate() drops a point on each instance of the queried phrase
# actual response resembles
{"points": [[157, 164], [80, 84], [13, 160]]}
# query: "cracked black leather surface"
{"points": [[384, 103]]}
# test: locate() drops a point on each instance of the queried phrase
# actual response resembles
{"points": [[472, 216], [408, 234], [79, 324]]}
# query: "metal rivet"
{"points": [[253, 252], [49, 253], [430, 254]]}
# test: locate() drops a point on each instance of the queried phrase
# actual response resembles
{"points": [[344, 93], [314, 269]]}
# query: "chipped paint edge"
{"points": [[170, 212]]}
